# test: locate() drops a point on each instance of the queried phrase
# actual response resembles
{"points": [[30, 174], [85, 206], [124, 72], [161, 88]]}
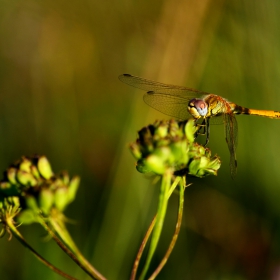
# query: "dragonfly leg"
{"points": [[207, 131], [201, 128], [204, 129], [196, 133]]}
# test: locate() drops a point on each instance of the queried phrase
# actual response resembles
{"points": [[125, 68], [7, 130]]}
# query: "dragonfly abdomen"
{"points": [[240, 110], [263, 113]]}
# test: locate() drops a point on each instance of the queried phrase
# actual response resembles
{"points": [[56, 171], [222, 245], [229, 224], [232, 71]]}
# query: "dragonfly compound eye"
{"points": [[197, 108]]}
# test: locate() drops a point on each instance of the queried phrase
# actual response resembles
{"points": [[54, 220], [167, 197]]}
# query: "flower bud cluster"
{"points": [[170, 144], [31, 185]]}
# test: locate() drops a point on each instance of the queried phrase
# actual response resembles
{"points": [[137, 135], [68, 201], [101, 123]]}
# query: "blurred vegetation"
{"points": [[60, 96]]}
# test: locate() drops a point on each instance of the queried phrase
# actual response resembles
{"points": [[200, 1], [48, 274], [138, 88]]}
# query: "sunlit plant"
{"points": [[31, 192], [167, 149]]}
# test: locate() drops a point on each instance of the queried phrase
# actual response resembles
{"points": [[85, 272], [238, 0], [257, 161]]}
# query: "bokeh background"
{"points": [[60, 96]]}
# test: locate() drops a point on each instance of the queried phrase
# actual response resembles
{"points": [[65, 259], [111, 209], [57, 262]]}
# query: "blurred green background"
{"points": [[60, 96]]}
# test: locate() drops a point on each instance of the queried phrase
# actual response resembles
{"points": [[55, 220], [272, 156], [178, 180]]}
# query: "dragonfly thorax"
{"points": [[197, 108]]}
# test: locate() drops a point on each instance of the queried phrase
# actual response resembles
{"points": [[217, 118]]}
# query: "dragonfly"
{"points": [[183, 103]]}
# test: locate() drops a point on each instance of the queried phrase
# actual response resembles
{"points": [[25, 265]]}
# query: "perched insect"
{"points": [[182, 103]]}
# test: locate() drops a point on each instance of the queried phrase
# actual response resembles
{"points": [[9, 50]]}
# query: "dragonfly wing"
{"points": [[231, 130], [171, 105], [149, 85]]}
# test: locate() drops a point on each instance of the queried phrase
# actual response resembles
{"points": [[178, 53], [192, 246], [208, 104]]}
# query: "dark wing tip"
{"points": [[150, 92], [123, 77]]}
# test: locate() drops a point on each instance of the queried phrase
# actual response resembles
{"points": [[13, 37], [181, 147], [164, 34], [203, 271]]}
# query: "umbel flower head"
{"points": [[170, 144], [31, 185]]}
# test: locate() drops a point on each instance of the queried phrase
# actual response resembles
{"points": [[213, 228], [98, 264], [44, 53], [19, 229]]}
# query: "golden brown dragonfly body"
{"points": [[182, 103]]}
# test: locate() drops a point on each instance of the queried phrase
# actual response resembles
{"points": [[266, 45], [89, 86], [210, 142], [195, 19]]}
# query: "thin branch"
{"points": [[175, 235], [148, 233], [141, 249], [67, 240], [66, 249], [162, 207], [21, 239]]}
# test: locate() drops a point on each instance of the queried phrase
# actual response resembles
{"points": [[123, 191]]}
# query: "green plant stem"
{"points": [[141, 249], [162, 207], [65, 248], [148, 233], [21, 239], [174, 185], [61, 230], [176, 233]]}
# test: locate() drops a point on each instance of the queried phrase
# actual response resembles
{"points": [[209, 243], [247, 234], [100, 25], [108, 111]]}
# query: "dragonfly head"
{"points": [[197, 108]]}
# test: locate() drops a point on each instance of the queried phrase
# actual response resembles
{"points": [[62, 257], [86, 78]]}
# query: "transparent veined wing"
{"points": [[231, 129], [149, 85], [171, 105], [168, 99]]}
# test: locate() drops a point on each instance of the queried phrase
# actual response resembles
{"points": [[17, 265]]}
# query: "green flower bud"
{"points": [[13, 200], [194, 166], [44, 167], [135, 150], [180, 151], [203, 166], [8, 203], [161, 146], [56, 183], [213, 166], [45, 200], [197, 150], [190, 130], [61, 198], [25, 165], [73, 188], [11, 175], [65, 178], [142, 166], [161, 130], [26, 179], [169, 145], [30, 185], [207, 152], [35, 171], [155, 163]]}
